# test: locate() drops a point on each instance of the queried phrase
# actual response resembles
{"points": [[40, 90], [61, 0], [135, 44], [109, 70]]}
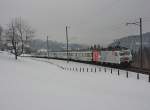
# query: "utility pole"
{"points": [[141, 43], [67, 43], [47, 47], [139, 23]]}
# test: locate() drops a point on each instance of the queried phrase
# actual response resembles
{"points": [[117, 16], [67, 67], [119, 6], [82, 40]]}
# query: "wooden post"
{"points": [[118, 72], [99, 69], [111, 70], [138, 76], [127, 74], [91, 69], [149, 78], [87, 69], [95, 70], [105, 70], [83, 69]]}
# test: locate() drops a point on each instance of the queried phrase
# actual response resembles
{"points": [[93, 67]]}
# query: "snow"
{"points": [[36, 84]]}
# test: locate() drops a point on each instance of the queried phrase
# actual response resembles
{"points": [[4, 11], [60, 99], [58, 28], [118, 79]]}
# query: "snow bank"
{"points": [[28, 84]]}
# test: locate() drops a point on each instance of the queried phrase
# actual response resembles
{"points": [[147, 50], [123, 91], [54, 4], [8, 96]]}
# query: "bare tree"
{"points": [[18, 31]]}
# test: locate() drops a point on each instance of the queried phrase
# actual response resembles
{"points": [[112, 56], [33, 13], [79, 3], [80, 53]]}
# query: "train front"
{"points": [[125, 56]]}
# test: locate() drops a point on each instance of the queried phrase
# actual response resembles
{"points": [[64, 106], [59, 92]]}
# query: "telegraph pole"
{"points": [[67, 42], [139, 23], [141, 43], [47, 47]]}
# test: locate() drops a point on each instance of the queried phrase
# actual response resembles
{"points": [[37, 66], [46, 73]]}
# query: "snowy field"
{"points": [[40, 84]]}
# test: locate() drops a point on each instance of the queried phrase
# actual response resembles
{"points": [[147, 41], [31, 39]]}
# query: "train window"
{"points": [[90, 54], [116, 54], [77, 54], [124, 53], [85, 54], [127, 53], [121, 53]]}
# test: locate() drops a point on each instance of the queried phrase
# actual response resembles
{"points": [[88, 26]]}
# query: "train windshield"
{"points": [[124, 53]]}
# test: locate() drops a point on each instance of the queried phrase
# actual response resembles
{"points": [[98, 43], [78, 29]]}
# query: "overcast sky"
{"points": [[90, 21]]}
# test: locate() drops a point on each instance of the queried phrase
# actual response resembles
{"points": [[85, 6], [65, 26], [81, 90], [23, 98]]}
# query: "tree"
{"points": [[18, 33]]}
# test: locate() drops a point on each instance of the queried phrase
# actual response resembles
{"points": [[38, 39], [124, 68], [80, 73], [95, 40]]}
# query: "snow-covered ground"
{"points": [[40, 84]]}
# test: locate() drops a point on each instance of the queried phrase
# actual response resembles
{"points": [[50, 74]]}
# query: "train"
{"points": [[113, 57]]}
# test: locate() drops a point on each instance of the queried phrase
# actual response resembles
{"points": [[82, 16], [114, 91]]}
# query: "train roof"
{"points": [[114, 49]]}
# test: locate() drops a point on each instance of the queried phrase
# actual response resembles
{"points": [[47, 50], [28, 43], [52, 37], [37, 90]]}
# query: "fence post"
{"points": [[118, 72], [99, 69], [73, 68], [77, 69], [91, 70], [105, 70], [138, 76], [87, 69], [127, 74], [83, 69], [95, 70], [111, 70], [80, 69], [149, 78]]}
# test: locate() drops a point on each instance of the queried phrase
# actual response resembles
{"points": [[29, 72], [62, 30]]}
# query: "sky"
{"points": [[89, 21]]}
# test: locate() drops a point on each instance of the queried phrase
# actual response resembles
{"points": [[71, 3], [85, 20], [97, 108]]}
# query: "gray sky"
{"points": [[90, 21]]}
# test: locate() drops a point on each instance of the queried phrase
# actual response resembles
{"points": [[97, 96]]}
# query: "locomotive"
{"points": [[114, 57]]}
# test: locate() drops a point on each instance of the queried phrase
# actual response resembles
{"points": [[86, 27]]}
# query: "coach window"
{"points": [[89, 54], [85, 54], [116, 54]]}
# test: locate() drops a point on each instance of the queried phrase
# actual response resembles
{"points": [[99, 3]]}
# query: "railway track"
{"points": [[129, 68], [138, 70]]}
